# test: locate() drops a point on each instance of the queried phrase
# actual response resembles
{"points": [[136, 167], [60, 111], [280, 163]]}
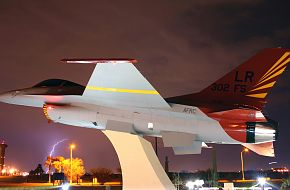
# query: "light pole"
{"points": [[72, 146], [49, 168], [242, 161]]}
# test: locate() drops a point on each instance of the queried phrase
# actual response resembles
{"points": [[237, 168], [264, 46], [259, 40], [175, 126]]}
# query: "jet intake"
{"points": [[72, 115]]}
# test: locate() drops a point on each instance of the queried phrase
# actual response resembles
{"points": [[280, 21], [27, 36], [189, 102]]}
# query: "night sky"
{"points": [[182, 46]]}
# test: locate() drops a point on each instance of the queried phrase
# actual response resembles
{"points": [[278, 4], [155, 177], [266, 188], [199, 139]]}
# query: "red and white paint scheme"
{"points": [[120, 101], [118, 97]]}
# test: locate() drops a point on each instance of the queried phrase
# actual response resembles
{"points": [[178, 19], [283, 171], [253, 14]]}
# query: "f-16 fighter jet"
{"points": [[119, 98], [119, 101]]}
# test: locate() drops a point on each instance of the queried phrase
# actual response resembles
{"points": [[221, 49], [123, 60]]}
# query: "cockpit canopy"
{"points": [[57, 83]]}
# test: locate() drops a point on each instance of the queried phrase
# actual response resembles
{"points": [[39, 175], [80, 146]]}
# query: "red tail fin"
{"points": [[247, 85]]}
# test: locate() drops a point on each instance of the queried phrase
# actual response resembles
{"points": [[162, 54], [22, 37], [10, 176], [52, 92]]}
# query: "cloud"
{"points": [[182, 46]]}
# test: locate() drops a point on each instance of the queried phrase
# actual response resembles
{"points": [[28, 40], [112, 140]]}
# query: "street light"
{"points": [[190, 185], [262, 182], [72, 146], [65, 186], [49, 158], [242, 161]]}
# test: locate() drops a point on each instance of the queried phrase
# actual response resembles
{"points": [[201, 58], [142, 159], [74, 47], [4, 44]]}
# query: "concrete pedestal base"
{"points": [[141, 169]]}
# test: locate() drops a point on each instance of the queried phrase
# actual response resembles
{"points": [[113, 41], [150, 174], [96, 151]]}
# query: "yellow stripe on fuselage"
{"points": [[123, 90]]}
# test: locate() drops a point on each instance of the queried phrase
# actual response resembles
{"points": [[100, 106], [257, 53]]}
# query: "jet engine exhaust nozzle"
{"points": [[258, 132]]}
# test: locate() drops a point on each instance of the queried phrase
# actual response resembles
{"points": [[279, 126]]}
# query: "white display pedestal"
{"points": [[141, 169]]}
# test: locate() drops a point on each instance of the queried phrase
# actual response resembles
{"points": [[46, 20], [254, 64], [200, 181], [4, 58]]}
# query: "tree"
{"points": [[56, 163], [60, 164], [38, 170], [119, 170], [102, 174], [177, 181], [214, 173], [285, 184], [31, 172], [77, 168]]}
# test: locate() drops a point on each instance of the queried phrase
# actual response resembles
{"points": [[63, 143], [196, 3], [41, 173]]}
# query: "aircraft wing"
{"points": [[117, 82]]}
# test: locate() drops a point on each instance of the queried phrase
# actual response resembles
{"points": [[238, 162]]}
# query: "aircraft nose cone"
{"points": [[5, 97]]}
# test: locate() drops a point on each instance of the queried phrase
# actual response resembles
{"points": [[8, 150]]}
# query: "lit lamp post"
{"points": [[242, 161], [262, 182], [49, 168], [72, 146]]}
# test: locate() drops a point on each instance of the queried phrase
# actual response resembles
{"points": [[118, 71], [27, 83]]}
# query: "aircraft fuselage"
{"points": [[142, 121]]}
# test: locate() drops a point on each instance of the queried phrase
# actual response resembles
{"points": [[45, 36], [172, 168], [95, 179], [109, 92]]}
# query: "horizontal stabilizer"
{"points": [[264, 149]]}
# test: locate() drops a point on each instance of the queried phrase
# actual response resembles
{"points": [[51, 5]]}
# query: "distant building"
{"points": [[3, 146], [281, 170]]}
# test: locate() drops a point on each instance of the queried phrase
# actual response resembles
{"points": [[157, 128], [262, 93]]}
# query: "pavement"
{"points": [[43, 186]]}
